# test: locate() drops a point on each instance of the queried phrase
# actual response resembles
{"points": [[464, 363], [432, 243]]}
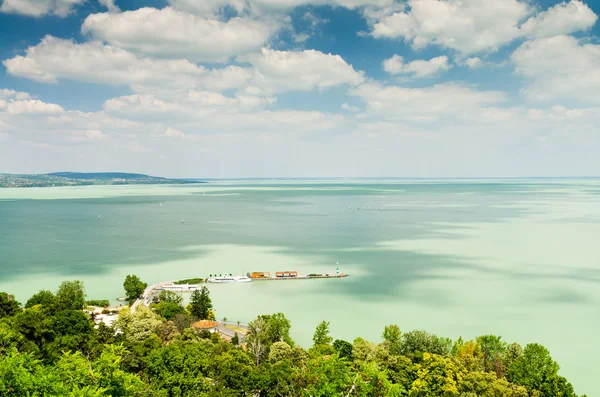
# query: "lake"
{"points": [[518, 258]]}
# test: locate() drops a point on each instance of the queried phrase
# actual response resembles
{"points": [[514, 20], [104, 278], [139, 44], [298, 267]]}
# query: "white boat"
{"points": [[229, 279]]}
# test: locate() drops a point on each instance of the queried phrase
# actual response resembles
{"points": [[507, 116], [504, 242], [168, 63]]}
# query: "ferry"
{"points": [[229, 279]]}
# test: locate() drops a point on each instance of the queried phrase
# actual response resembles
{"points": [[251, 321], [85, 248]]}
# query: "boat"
{"points": [[229, 279]]}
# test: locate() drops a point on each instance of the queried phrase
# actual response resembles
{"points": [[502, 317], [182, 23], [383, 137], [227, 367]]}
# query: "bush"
{"points": [[98, 302]]}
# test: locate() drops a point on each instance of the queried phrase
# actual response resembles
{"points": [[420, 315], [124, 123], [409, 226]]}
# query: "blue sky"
{"points": [[300, 88]]}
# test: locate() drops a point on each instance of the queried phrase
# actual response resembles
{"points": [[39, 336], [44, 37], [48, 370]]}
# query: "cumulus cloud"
{"points": [[474, 62], [261, 7], [350, 108], [467, 26], [563, 18], [33, 106], [39, 8], [12, 94], [182, 35], [96, 62], [270, 71], [173, 133], [425, 104], [110, 5], [277, 71], [419, 68], [472, 26], [559, 68]]}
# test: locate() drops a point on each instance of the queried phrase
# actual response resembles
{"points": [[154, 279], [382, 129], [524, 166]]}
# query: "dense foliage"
{"points": [[51, 347]]}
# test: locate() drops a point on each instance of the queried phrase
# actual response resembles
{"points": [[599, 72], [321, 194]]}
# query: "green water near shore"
{"points": [[517, 258]]}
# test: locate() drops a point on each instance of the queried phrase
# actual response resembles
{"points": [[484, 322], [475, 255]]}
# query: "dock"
{"points": [[300, 277]]}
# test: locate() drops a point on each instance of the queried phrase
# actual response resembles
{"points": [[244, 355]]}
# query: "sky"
{"points": [[301, 88]]}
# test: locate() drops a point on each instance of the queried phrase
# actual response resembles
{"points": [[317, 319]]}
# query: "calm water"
{"points": [[519, 258]]}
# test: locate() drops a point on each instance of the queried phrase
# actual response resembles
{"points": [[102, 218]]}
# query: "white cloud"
{"points": [[559, 68], [350, 108], [88, 135], [467, 26], [262, 7], [110, 5], [563, 18], [173, 133], [472, 26], [271, 71], [425, 104], [418, 68], [98, 63], [32, 106], [12, 94], [277, 71], [95, 62], [474, 63], [182, 35], [39, 8], [208, 7]]}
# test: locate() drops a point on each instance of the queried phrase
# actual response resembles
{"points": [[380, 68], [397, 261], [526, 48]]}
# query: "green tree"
{"points": [[235, 339], [343, 348], [484, 384], [181, 368], [70, 296], [167, 304], [134, 287], [534, 368], [393, 338], [492, 349], [200, 304], [44, 297], [417, 342], [169, 297], [321, 335], [138, 325], [8, 305], [437, 376]]}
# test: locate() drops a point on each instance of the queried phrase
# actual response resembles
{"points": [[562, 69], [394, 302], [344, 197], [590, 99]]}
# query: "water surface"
{"points": [[518, 258]]}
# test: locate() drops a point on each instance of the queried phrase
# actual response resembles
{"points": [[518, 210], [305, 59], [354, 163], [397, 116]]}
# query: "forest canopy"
{"points": [[52, 347]]}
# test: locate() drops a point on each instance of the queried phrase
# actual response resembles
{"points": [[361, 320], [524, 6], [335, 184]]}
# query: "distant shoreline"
{"points": [[61, 179]]}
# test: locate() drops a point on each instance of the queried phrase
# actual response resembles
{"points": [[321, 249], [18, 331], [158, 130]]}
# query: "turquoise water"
{"points": [[518, 258]]}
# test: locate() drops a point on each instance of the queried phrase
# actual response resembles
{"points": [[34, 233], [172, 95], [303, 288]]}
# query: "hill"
{"points": [[84, 178]]}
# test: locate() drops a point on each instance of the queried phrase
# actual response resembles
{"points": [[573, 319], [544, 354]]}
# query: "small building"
{"points": [[286, 274], [260, 275], [208, 325]]}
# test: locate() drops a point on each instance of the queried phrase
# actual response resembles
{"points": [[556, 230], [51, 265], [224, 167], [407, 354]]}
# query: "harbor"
{"points": [[181, 286]]}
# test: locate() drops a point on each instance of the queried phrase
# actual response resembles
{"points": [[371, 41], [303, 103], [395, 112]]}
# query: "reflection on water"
{"points": [[516, 258]]}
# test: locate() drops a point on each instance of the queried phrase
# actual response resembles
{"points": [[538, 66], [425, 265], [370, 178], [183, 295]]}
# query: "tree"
{"points": [[44, 297], [235, 340], [134, 287], [321, 335], [437, 376], [484, 384], [492, 349], [392, 338], [257, 339], [70, 296], [417, 342], [278, 328], [200, 304], [343, 348], [139, 325], [167, 304], [8, 305], [169, 297], [181, 368], [534, 368]]}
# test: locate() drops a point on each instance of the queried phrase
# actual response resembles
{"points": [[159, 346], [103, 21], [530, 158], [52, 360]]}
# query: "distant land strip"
{"points": [[85, 179]]}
